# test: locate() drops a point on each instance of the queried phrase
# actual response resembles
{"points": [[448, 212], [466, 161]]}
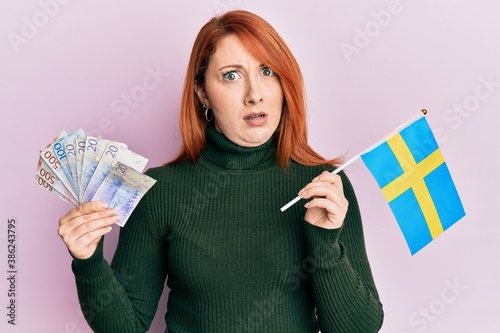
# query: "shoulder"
{"points": [[310, 170], [167, 171], [168, 177]]}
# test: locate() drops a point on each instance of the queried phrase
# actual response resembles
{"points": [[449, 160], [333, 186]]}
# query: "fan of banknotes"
{"points": [[79, 168]]}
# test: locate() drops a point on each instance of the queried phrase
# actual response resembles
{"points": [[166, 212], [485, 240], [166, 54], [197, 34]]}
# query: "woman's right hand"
{"points": [[82, 228]]}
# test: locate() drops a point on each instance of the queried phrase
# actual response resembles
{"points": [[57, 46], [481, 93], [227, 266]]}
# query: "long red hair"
{"points": [[265, 44]]}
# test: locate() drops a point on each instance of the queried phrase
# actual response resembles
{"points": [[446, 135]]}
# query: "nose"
{"points": [[253, 94]]}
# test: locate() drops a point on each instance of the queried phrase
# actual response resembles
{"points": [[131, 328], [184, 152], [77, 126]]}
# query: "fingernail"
{"points": [[302, 193], [307, 205], [115, 218], [315, 179]]}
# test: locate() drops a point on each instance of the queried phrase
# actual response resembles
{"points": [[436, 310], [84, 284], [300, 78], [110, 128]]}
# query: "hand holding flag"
{"points": [[414, 178]]}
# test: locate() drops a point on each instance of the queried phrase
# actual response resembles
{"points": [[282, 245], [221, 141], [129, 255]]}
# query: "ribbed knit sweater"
{"points": [[234, 261]]}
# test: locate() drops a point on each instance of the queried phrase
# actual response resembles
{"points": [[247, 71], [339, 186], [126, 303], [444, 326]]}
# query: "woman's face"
{"points": [[245, 95]]}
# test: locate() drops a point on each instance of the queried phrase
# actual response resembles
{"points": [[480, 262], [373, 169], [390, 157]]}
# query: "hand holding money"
{"points": [[82, 228], [80, 169]]}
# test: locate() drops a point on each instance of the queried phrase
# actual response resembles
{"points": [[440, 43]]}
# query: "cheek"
{"points": [[223, 100], [224, 114], [277, 103], [276, 94]]}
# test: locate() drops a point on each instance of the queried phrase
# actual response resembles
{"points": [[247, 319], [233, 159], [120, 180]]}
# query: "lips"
{"points": [[256, 118]]}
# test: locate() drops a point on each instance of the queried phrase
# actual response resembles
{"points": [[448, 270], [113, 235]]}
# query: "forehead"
{"points": [[231, 51]]}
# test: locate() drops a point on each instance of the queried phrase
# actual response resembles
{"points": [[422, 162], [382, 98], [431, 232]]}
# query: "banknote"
{"points": [[70, 150], [50, 158], [78, 168], [94, 148], [45, 185], [113, 152], [80, 150], [46, 179], [58, 150], [123, 188]]}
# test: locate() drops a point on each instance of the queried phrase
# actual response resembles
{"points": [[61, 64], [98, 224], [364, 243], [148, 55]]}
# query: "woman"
{"points": [[212, 222]]}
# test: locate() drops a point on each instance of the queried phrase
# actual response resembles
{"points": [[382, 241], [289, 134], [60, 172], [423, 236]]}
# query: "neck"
{"points": [[221, 153]]}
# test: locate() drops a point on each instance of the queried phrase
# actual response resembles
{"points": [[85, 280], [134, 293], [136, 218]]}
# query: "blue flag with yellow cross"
{"points": [[414, 178]]}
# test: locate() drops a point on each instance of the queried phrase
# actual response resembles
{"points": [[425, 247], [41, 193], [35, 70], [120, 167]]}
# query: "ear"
{"points": [[202, 95]]}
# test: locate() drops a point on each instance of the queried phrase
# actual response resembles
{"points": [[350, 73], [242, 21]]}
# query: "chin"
{"points": [[257, 140]]}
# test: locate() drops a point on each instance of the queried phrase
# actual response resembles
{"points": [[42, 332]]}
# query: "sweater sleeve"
{"points": [[343, 288], [123, 297]]}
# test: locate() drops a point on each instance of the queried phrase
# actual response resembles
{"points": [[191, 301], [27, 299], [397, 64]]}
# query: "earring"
{"points": [[206, 112]]}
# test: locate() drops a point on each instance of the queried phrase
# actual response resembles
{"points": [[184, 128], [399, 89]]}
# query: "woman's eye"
{"points": [[266, 71], [231, 76]]}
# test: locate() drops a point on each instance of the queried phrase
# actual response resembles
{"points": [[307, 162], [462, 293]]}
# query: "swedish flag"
{"points": [[415, 180]]}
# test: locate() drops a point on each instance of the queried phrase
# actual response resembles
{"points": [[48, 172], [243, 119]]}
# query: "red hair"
{"points": [[265, 44]]}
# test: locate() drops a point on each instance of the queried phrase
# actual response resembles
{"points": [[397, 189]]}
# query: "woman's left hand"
{"points": [[328, 207]]}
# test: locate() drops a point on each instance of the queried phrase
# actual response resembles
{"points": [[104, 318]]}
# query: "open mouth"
{"points": [[255, 116]]}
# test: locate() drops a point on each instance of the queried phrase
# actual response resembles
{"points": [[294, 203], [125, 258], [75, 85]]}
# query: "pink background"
{"points": [[67, 64]]}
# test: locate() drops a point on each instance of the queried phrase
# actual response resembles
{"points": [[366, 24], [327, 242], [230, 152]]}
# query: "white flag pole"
{"points": [[340, 168], [343, 166]]}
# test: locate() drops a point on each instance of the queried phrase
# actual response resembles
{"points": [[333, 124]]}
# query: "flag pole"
{"points": [[346, 164], [340, 168]]}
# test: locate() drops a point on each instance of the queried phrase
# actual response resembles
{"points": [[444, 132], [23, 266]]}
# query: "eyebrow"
{"points": [[237, 66], [231, 66]]}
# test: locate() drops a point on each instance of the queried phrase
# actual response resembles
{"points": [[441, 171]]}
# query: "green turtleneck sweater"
{"points": [[233, 261]]}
